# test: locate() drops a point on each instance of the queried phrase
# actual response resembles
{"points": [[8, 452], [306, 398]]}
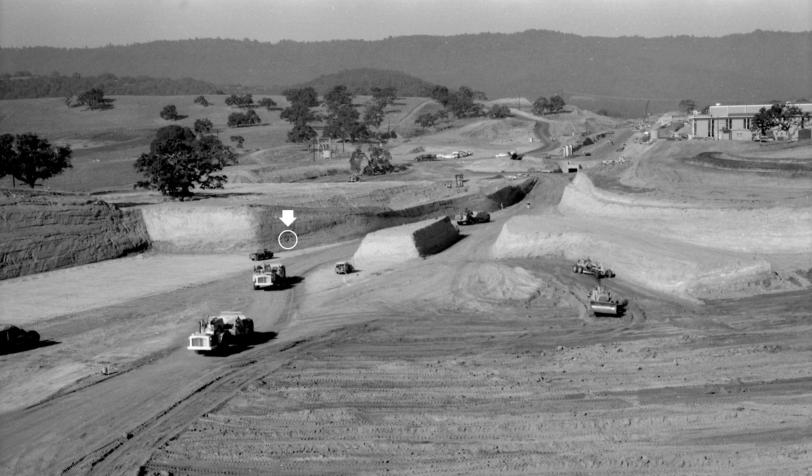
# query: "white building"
{"points": [[731, 122]]}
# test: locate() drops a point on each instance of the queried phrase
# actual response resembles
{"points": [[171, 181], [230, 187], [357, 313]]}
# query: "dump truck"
{"points": [[269, 275], [344, 267], [602, 302], [468, 217], [587, 266], [13, 339], [261, 255], [218, 332]]}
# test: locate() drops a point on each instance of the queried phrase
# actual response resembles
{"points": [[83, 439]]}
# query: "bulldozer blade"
{"points": [[603, 308]]}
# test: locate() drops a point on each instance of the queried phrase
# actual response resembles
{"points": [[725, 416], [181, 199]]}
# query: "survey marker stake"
{"points": [[287, 217]]}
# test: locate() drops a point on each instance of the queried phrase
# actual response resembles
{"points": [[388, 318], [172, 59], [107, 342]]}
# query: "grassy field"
{"points": [[106, 143]]}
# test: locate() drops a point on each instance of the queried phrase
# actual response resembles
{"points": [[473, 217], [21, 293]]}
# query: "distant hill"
{"points": [[753, 67], [362, 80], [25, 85]]}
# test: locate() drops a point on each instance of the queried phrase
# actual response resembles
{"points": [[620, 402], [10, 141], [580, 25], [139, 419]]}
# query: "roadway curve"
{"points": [[83, 431]]}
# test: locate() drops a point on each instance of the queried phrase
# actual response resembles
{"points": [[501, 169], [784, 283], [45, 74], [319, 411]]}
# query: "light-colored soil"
{"points": [[465, 362]]}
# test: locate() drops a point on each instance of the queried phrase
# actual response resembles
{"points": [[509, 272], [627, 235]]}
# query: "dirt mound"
{"points": [[402, 243], [487, 286], [44, 232]]}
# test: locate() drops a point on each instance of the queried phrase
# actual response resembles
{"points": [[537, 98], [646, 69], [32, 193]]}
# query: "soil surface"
{"points": [[460, 362]]}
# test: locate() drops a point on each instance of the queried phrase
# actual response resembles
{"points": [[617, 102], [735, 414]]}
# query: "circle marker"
{"points": [[286, 238]]}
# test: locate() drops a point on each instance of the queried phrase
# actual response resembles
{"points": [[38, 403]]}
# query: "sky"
{"points": [[91, 23]]}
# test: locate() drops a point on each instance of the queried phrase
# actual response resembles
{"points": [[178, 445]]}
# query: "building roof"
{"points": [[747, 110]]}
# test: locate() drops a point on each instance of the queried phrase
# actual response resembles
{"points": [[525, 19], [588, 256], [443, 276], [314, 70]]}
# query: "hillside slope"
{"points": [[741, 67]]}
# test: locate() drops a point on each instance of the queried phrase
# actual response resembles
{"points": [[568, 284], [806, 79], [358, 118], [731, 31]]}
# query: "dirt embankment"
{"points": [[405, 242], [756, 230], [44, 232], [181, 228], [680, 249]]}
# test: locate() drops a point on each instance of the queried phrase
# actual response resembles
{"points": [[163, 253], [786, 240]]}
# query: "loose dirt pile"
{"points": [[406, 242], [41, 232]]}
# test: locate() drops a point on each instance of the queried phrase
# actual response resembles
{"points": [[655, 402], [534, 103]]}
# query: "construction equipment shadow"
{"points": [[257, 338], [289, 282], [17, 350]]}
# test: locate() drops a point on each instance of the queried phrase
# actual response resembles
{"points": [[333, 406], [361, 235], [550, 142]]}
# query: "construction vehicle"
{"points": [[261, 255], [218, 332], [269, 275], [515, 155], [468, 217], [587, 266], [354, 178], [13, 339], [425, 157], [344, 267], [601, 302]]}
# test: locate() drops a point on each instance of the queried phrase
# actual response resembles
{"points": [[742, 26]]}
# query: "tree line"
{"points": [[23, 85], [340, 114]]}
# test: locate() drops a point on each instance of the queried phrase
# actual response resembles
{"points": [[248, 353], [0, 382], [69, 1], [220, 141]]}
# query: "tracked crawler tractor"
{"points": [[603, 303]]}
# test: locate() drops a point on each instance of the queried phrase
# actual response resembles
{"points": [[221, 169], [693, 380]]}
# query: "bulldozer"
{"points": [[587, 266], [602, 302], [468, 217], [269, 275], [219, 332]]}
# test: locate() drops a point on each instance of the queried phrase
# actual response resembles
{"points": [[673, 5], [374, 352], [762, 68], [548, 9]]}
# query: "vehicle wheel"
{"points": [[256, 287]]}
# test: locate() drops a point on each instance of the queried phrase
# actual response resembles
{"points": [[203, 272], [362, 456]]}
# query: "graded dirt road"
{"points": [[56, 434]]}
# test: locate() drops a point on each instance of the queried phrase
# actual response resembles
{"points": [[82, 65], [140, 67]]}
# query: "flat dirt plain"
{"points": [[481, 359]]}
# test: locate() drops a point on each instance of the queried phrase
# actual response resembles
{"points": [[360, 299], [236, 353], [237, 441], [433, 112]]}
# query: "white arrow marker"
{"points": [[287, 217]]}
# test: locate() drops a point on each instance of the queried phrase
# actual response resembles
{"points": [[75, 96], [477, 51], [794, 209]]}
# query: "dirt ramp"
{"points": [[398, 244], [653, 262], [44, 232]]}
